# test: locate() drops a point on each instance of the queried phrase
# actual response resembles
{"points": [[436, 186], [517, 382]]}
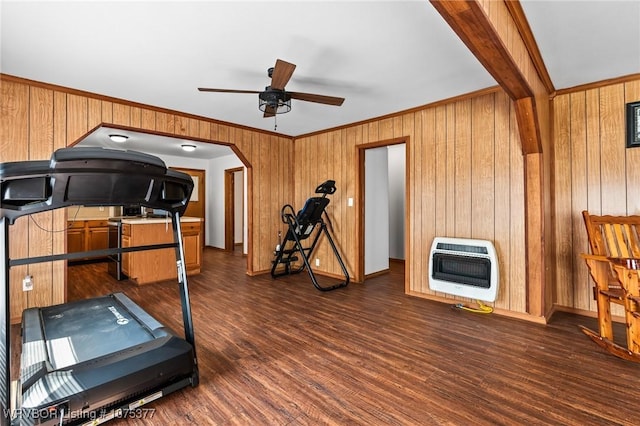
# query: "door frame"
{"points": [[360, 184], [229, 211]]}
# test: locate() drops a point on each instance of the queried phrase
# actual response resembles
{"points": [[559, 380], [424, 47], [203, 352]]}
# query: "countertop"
{"points": [[151, 220], [80, 219]]}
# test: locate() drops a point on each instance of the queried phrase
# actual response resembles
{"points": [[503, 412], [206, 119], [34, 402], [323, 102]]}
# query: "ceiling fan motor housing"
{"points": [[278, 100]]}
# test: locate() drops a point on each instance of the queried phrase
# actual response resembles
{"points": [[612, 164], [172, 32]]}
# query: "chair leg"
{"points": [[604, 316], [600, 274], [632, 332]]}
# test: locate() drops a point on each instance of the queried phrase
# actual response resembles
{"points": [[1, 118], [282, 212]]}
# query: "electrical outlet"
{"points": [[317, 262], [27, 283], [349, 202]]}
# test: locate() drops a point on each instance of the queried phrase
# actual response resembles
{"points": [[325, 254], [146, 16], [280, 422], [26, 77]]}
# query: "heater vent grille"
{"points": [[464, 267], [462, 248]]}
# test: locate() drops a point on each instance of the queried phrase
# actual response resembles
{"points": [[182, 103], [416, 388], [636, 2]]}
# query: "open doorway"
{"points": [[206, 164], [234, 208], [383, 189], [197, 202]]}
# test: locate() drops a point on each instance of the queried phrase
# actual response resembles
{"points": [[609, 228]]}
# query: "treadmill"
{"points": [[92, 360]]}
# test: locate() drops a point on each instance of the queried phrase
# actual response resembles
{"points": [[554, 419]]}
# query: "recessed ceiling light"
{"points": [[188, 147], [118, 138]]}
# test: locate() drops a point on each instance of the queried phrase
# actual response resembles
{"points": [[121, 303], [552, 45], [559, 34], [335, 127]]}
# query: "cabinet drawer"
{"points": [[98, 223], [190, 227], [76, 224]]}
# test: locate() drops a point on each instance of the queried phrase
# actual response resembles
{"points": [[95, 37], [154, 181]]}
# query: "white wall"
{"points": [[376, 210], [238, 208], [214, 207], [397, 195], [192, 163], [215, 198]]}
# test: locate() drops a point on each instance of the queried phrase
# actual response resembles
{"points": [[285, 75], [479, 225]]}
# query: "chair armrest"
{"points": [[597, 257]]}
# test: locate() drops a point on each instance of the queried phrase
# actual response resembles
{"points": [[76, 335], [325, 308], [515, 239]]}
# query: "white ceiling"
{"points": [[382, 56], [153, 144]]}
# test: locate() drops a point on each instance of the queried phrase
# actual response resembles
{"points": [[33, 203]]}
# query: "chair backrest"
{"points": [[613, 236], [312, 210], [309, 217]]}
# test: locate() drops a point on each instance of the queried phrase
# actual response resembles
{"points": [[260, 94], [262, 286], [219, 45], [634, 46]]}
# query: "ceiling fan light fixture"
{"points": [[118, 138], [188, 147], [276, 101]]}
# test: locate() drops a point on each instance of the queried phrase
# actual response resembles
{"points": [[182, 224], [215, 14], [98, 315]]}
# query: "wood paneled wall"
{"points": [[36, 119], [464, 179], [594, 171]]}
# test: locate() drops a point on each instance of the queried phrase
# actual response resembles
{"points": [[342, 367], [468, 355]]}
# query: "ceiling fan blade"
{"points": [[282, 72], [321, 99], [269, 112], [207, 89]]}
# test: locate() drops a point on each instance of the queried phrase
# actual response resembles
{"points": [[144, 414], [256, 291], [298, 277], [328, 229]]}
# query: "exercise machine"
{"points": [[301, 226], [91, 360]]}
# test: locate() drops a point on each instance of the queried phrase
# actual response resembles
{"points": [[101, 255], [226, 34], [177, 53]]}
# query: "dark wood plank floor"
{"points": [[279, 352]]}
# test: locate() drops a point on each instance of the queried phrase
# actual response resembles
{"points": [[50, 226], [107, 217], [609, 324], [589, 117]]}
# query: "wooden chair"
{"points": [[628, 271], [611, 238]]}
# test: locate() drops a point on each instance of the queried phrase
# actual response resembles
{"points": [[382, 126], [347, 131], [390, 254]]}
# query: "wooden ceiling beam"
{"points": [[469, 21], [521, 23], [472, 25], [528, 125]]}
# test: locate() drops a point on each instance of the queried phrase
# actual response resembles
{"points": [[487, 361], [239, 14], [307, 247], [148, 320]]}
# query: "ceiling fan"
{"points": [[275, 99]]}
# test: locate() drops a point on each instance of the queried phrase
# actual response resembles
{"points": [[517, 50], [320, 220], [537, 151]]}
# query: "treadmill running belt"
{"points": [[87, 329], [85, 356]]}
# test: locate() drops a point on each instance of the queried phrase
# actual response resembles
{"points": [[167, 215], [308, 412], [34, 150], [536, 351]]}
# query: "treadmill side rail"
{"points": [[5, 330]]}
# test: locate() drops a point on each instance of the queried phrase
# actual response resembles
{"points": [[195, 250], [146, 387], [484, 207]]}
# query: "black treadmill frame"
{"points": [[88, 177]]}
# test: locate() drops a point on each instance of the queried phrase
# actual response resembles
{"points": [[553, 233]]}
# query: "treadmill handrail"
{"points": [[83, 254], [91, 177]]}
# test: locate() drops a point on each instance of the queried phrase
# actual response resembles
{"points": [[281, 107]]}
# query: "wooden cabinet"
{"points": [[75, 237], [98, 237], [192, 245], [126, 242], [85, 235], [143, 267]]}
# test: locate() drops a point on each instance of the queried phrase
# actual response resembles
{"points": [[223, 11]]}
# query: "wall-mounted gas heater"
{"points": [[464, 267]]}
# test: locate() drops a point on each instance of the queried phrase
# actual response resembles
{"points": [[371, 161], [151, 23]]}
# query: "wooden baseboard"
{"points": [[584, 313], [376, 274], [502, 312]]}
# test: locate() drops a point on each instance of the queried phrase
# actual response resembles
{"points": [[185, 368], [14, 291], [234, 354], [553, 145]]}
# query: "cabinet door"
{"points": [[75, 240], [98, 238], [126, 257], [191, 244]]}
